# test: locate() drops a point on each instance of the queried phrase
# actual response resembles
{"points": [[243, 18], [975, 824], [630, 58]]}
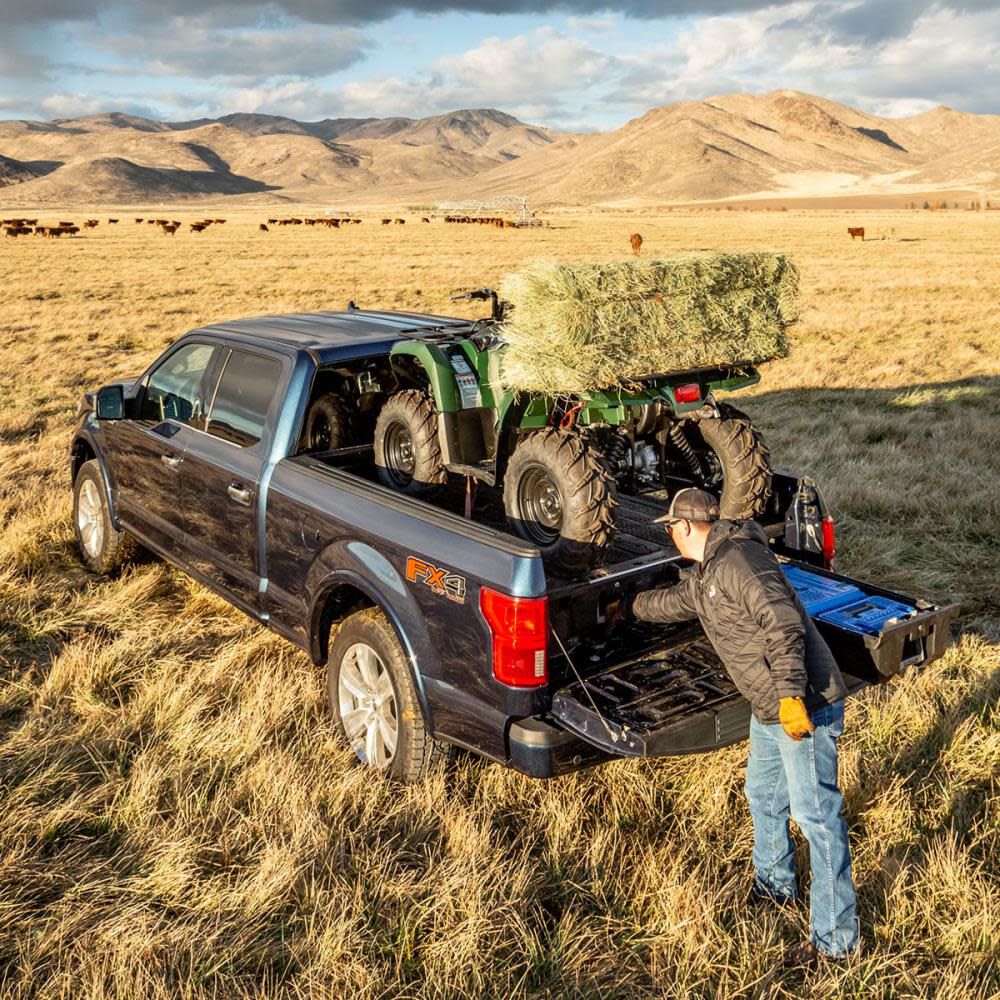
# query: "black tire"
{"points": [[103, 548], [407, 451], [560, 496], [743, 463], [328, 423], [415, 752]]}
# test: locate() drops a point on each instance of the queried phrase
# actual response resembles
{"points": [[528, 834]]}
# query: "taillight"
{"points": [[829, 542], [690, 392], [520, 635]]}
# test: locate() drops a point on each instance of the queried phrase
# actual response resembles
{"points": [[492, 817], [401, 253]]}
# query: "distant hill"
{"points": [[783, 144], [15, 172]]}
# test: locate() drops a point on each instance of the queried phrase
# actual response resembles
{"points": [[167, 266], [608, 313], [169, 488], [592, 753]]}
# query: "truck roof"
{"points": [[334, 336]]}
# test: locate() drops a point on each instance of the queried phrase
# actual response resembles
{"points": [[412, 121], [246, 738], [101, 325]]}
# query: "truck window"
{"points": [[173, 389], [243, 397]]}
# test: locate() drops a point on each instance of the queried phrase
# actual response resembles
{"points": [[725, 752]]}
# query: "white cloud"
{"points": [[593, 25]]}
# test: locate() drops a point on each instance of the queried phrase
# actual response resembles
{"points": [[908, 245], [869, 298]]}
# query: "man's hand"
{"points": [[794, 718]]}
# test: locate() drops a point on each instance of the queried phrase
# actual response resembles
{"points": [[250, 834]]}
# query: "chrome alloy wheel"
{"points": [[90, 518], [368, 706]]}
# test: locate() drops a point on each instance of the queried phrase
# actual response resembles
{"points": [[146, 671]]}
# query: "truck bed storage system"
{"points": [[679, 699]]}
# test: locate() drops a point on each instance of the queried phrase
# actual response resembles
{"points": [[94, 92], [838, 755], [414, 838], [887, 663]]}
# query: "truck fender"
{"points": [[83, 448], [359, 566]]}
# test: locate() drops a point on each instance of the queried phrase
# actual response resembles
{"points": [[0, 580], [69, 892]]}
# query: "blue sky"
{"points": [[571, 65]]}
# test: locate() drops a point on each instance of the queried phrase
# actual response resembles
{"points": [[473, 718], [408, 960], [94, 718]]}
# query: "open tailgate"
{"points": [[678, 699], [670, 701]]}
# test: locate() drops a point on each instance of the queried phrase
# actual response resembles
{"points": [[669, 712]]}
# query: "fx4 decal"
{"points": [[437, 578]]}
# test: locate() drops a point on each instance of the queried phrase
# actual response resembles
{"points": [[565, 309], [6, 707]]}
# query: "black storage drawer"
{"points": [[910, 642]]}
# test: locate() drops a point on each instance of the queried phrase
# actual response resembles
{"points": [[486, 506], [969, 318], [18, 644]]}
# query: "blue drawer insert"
{"points": [[867, 616], [820, 593]]}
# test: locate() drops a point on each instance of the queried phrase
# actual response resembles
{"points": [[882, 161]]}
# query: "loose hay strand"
{"points": [[572, 328]]}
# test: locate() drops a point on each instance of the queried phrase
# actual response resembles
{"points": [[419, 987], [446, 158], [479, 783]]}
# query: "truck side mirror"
{"points": [[110, 403]]}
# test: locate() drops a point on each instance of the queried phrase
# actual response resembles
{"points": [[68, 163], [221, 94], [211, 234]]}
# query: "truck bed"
{"points": [[643, 689]]}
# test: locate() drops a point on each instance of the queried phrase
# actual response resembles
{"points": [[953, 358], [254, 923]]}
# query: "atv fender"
{"points": [[435, 363]]}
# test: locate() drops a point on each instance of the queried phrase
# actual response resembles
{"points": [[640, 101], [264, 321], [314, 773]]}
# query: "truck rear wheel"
{"points": [[374, 701], [735, 460], [560, 496], [328, 425], [103, 548], [407, 451]]}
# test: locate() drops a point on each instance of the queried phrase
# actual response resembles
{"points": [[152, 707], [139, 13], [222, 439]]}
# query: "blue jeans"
{"points": [[798, 779]]}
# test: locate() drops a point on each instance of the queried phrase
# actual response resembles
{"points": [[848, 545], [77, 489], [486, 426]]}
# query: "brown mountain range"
{"points": [[783, 144]]}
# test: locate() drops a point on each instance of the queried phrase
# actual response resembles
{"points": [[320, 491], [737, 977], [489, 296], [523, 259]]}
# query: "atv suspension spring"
{"points": [[682, 444], [617, 453]]}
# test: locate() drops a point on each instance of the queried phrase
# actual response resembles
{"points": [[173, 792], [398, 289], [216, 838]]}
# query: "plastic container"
{"points": [[869, 615], [820, 593]]}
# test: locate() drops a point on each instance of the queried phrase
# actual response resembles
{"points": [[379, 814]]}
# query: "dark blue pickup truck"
{"points": [[436, 625]]}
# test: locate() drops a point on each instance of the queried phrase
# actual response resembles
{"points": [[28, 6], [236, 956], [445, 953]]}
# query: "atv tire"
{"points": [[407, 451], [328, 425], [560, 496], [743, 459]]}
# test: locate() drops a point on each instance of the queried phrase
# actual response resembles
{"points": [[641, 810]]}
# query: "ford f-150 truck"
{"points": [[436, 627]]}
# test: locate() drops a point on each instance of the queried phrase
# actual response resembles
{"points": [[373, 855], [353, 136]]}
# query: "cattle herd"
{"points": [[28, 227]]}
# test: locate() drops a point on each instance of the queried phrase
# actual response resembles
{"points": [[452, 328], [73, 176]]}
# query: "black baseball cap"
{"points": [[691, 504]]}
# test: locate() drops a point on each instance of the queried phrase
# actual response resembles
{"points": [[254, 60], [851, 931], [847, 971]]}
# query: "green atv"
{"points": [[563, 461]]}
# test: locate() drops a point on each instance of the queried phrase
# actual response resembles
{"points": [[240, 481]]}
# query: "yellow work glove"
{"points": [[794, 717]]}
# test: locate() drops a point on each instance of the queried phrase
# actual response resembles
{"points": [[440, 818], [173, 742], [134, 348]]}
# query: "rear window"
{"points": [[243, 397]]}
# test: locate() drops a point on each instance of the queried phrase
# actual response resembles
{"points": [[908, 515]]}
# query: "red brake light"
{"points": [[687, 393], [520, 636], [829, 542]]}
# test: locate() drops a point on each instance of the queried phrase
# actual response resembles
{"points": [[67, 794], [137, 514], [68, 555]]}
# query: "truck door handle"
{"points": [[171, 461], [239, 493]]}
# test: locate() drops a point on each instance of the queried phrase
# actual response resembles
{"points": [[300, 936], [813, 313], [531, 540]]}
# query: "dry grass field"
{"points": [[177, 817]]}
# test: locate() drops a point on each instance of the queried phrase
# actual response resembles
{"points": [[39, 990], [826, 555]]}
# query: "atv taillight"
{"points": [[829, 542], [519, 626], [690, 392]]}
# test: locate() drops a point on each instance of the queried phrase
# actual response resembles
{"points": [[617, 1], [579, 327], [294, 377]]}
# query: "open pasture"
{"points": [[177, 817]]}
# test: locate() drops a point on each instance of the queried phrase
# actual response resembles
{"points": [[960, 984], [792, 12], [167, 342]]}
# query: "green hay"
{"points": [[572, 328]]}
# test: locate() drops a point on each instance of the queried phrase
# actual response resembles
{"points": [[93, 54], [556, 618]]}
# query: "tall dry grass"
{"points": [[178, 819]]}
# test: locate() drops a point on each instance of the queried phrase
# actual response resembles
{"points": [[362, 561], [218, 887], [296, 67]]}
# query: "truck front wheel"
{"points": [[407, 451], [103, 548], [374, 701]]}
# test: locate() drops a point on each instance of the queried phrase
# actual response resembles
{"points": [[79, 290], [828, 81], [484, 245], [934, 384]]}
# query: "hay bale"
{"points": [[572, 328]]}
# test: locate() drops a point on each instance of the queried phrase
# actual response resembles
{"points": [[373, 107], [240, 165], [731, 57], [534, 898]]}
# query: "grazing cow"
{"points": [[333, 223], [263, 228], [138, 221], [112, 222], [854, 232], [151, 222], [401, 222], [424, 218], [272, 222], [171, 228], [310, 222], [220, 222], [90, 224], [386, 222], [636, 240], [197, 227]]}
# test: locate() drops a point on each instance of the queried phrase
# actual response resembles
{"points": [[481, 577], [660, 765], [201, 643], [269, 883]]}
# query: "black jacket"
{"points": [[754, 619]]}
